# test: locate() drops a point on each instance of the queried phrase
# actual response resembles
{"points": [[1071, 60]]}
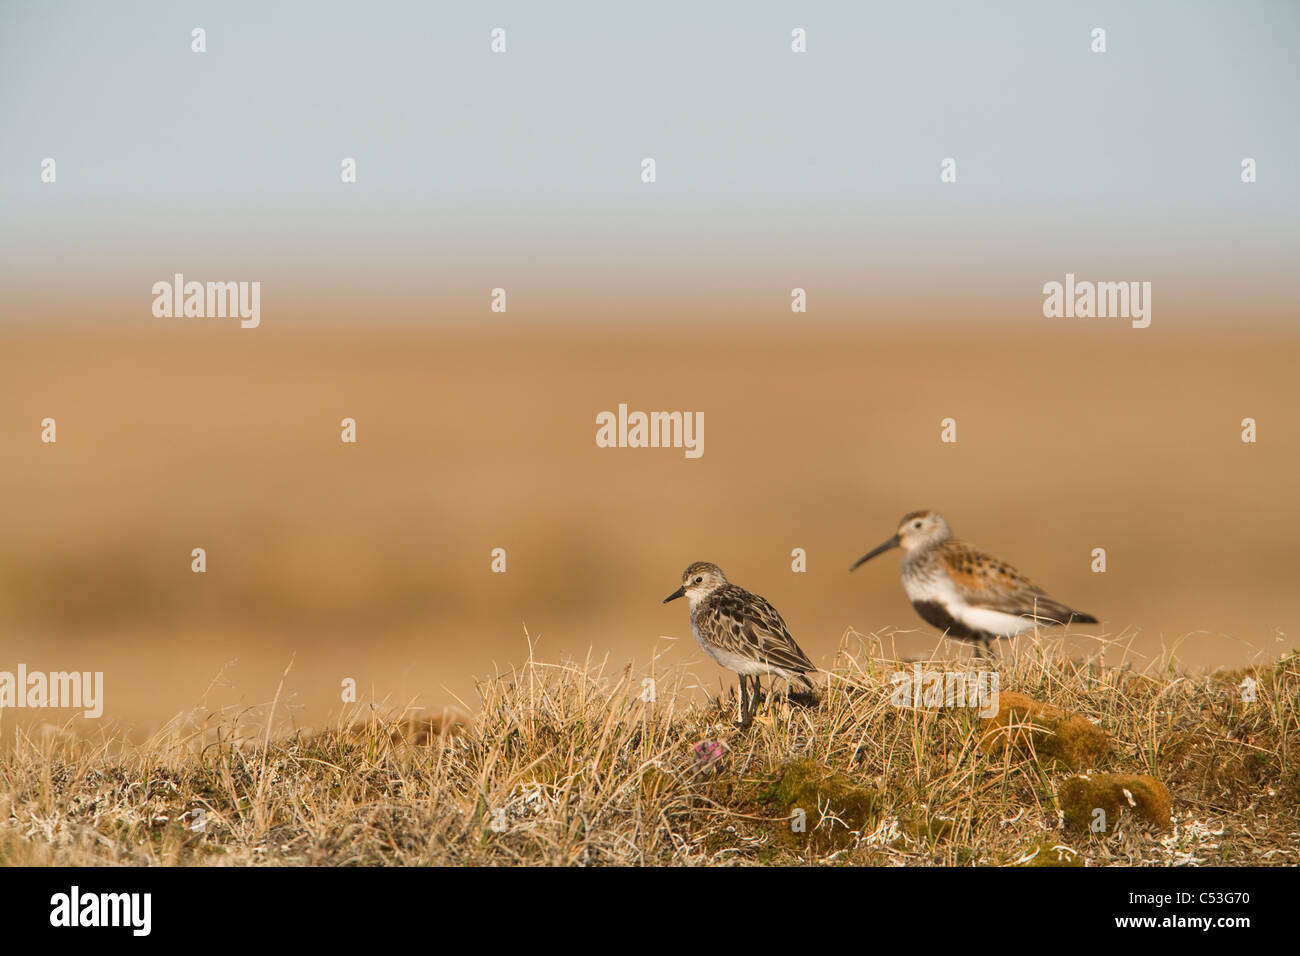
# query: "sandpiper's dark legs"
{"points": [[748, 700]]}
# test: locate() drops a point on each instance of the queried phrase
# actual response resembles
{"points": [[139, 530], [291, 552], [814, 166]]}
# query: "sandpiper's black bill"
{"points": [[891, 543], [680, 592]]}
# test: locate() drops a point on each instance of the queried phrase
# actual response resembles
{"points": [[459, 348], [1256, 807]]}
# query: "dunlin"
{"points": [[966, 593], [742, 632]]}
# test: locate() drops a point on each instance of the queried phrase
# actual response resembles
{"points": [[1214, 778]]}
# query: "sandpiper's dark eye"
{"points": [[699, 580], [916, 524]]}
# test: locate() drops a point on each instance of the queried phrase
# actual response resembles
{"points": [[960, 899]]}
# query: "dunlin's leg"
{"points": [[743, 703]]}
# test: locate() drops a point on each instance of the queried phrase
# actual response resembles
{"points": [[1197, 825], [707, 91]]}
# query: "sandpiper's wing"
{"points": [[984, 581], [747, 624]]}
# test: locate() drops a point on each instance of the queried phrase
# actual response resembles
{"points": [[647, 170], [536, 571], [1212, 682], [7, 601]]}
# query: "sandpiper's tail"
{"points": [[803, 691]]}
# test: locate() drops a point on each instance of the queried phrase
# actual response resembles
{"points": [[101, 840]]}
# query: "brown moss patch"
{"points": [[1031, 728], [1082, 795]]}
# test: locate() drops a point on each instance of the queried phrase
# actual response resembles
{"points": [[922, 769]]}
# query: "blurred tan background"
{"points": [[129, 157], [373, 561]]}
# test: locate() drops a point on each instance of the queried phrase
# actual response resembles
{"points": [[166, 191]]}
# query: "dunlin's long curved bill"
{"points": [[881, 549]]}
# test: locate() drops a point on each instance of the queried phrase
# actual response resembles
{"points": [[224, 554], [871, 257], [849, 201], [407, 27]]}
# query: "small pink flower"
{"points": [[707, 751]]}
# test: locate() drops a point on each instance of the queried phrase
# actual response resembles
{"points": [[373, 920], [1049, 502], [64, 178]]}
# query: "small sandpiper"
{"points": [[742, 632], [966, 593]]}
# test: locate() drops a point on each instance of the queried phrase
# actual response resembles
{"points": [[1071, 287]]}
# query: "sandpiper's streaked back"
{"points": [[742, 632], [966, 593]]}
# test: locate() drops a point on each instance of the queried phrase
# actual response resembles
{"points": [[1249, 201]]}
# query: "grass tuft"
{"points": [[575, 764]]}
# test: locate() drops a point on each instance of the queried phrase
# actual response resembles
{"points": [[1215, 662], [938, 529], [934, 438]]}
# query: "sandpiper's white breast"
{"points": [[927, 583]]}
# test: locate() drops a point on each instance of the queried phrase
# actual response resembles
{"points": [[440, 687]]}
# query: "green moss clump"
{"points": [[655, 783], [1080, 796], [808, 786], [931, 830]]}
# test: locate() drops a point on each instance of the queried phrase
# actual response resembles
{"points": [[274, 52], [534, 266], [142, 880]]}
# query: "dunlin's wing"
{"points": [[984, 581], [747, 624]]}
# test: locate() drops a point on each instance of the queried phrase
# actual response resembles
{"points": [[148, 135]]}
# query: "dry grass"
{"points": [[567, 764]]}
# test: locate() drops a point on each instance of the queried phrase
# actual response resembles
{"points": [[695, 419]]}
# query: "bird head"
{"points": [[917, 531], [698, 580]]}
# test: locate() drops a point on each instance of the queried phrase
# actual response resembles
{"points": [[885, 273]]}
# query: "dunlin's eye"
{"points": [[916, 524], [699, 580]]}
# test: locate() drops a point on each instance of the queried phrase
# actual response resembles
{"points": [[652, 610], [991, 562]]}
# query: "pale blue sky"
{"points": [[828, 162]]}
